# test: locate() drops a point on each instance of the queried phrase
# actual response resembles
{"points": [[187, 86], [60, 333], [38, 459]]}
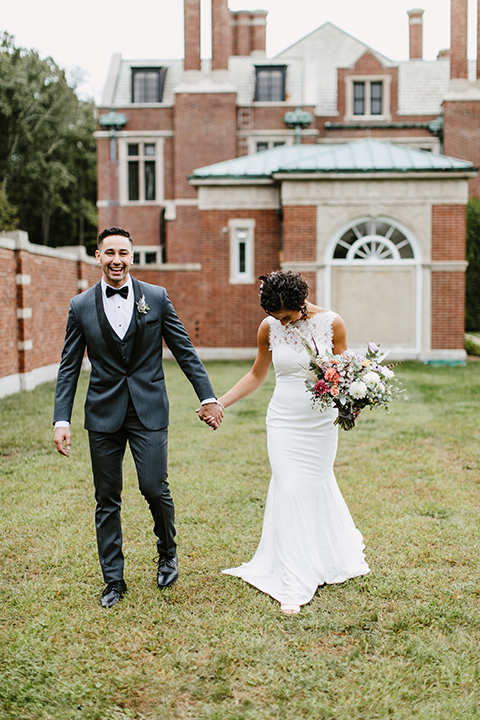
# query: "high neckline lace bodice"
{"points": [[288, 353]]}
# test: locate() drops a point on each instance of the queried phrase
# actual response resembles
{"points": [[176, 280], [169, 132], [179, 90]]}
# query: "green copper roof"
{"points": [[366, 155]]}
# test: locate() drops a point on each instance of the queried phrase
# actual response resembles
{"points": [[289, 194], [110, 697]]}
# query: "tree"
{"points": [[8, 214], [47, 149], [472, 305]]}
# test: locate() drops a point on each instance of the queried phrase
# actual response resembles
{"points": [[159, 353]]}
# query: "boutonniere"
{"points": [[142, 306]]}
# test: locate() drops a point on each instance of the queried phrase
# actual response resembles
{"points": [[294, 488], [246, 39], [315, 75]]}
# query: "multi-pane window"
{"points": [[359, 98], [270, 83], [147, 256], [368, 97], [141, 171], [242, 251], [376, 98], [268, 144], [147, 85]]}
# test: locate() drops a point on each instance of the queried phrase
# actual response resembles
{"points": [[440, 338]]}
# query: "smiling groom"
{"points": [[122, 322]]}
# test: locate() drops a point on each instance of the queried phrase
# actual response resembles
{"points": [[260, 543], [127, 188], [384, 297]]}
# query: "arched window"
{"points": [[373, 278], [373, 241]]}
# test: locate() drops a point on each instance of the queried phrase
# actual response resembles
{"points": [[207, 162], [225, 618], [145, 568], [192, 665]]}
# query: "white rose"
{"points": [[372, 379], [357, 390], [387, 372]]}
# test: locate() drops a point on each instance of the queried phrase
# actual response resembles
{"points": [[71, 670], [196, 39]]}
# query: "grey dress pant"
{"points": [[149, 451]]}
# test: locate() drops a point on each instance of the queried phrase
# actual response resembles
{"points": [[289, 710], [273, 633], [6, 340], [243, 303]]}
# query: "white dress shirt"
{"points": [[119, 310]]}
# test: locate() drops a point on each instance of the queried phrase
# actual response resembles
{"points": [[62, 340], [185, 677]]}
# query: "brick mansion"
{"points": [[328, 158]]}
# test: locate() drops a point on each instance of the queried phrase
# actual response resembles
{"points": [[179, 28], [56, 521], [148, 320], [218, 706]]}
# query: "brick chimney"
{"points": [[249, 32], [259, 32], [242, 36], [415, 34], [458, 40], [191, 19], [221, 34]]}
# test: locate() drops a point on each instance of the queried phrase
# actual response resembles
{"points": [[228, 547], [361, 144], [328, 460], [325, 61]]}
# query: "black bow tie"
{"points": [[123, 291]]}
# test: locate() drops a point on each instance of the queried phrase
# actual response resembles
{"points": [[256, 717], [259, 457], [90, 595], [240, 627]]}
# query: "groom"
{"points": [[122, 322]]}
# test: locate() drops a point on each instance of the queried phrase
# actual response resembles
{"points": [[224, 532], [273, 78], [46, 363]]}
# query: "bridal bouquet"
{"points": [[350, 381]]}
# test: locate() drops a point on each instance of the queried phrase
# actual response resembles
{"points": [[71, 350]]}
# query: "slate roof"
{"points": [[311, 76], [366, 155], [323, 50]]}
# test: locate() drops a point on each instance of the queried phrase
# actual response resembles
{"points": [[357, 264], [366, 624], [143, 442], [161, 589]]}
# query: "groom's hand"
{"points": [[62, 439], [212, 414]]}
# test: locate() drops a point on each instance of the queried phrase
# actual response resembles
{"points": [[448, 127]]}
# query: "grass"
{"points": [[399, 643]]}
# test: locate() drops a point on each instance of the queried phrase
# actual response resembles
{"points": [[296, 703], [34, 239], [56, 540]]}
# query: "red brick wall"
{"points": [[142, 222], [183, 288], [53, 281], [448, 308], [448, 232], [183, 236], [299, 233], [462, 135], [229, 315], [8, 314], [448, 287], [205, 133]]}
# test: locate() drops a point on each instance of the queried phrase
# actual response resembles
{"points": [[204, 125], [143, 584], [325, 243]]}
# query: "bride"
{"points": [[308, 537]]}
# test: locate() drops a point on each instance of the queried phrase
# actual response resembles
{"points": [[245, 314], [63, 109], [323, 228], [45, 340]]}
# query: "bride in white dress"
{"points": [[308, 537]]}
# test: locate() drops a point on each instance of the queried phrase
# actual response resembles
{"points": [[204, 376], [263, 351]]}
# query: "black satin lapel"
{"points": [[140, 322], [105, 325]]}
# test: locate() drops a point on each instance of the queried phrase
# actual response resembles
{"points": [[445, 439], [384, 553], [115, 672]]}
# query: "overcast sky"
{"points": [[85, 35]]}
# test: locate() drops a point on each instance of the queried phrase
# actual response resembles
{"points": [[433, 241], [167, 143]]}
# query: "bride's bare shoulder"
{"points": [[315, 309]]}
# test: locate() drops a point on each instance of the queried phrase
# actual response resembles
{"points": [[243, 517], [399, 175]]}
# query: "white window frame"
{"points": [[236, 276], [270, 141], [123, 157], [368, 79], [142, 250]]}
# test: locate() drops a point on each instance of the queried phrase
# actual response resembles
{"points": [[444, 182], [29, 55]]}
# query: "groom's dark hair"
{"points": [[112, 231]]}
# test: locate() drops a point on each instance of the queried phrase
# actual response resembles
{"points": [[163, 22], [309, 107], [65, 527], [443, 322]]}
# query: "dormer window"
{"points": [[148, 84], [367, 98], [270, 83]]}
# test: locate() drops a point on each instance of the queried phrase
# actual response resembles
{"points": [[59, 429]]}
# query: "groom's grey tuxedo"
{"points": [[128, 368], [126, 401]]}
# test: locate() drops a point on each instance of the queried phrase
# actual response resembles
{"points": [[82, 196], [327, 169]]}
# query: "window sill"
{"points": [[367, 118]]}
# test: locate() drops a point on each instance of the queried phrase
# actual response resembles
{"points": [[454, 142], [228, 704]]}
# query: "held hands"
{"points": [[62, 439], [211, 414]]}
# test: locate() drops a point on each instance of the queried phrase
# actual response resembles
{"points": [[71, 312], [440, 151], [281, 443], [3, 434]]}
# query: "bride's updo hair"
{"points": [[283, 290]]}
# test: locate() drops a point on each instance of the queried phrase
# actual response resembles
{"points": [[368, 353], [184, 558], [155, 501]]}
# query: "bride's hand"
{"points": [[211, 414]]}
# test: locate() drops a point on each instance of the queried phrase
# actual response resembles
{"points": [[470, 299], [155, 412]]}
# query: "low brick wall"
{"points": [[36, 284]]}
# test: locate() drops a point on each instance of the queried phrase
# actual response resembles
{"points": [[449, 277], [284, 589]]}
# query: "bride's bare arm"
{"points": [[339, 336], [253, 379]]}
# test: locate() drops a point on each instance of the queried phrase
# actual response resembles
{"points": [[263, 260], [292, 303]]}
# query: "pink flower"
{"points": [[321, 388], [331, 375]]}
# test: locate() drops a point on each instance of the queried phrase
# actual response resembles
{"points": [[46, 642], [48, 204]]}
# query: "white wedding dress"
{"points": [[308, 535]]}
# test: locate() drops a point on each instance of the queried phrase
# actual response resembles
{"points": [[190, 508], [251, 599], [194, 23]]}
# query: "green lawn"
{"points": [[402, 642]]}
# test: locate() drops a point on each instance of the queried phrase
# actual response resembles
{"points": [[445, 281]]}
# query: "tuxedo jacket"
{"points": [[131, 367]]}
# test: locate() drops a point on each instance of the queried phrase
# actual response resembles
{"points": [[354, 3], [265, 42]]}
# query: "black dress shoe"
{"points": [[167, 571], [113, 593]]}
